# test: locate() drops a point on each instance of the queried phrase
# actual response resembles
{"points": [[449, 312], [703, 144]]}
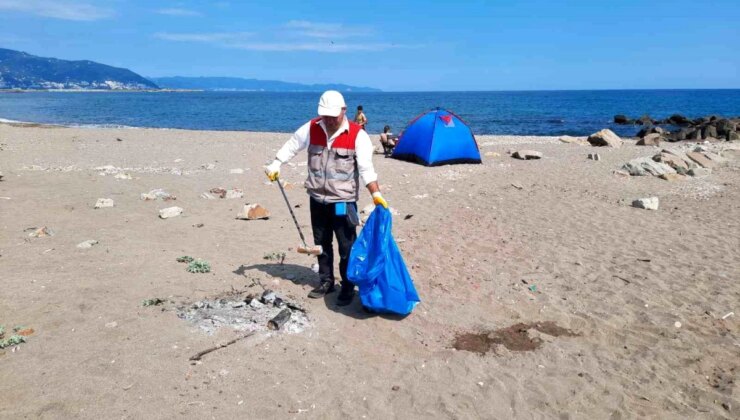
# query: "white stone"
{"points": [[170, 212], [237, 171], [157, 193], [87, 244], [104, 202], [235, 193], [122, 176], [650, 203], [527, 154], [208, 196]]}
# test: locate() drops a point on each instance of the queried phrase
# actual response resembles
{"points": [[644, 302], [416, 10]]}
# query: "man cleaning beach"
{"points": [[339, 158]]}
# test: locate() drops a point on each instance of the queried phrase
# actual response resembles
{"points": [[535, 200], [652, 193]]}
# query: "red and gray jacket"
{"points": [[332, 171]]}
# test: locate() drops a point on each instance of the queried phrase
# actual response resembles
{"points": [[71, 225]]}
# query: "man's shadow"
{"points": [[297, 274]]}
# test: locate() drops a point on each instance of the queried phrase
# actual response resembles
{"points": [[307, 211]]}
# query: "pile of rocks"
{"points": [[709, 127], [673, 164]]}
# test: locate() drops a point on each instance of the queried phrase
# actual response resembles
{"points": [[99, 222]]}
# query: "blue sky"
{"points": [[396, 45]]}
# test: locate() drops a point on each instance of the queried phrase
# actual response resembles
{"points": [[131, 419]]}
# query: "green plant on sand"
{"points": [[12, 340], [275, 256], [199, 266], [152, 302]]}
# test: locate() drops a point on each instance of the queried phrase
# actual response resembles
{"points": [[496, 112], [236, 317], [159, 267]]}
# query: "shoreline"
{"points": [[30, 124]]}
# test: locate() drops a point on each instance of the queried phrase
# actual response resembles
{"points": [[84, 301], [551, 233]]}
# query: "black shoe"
{"points": [[324, 288], [346, 294]]}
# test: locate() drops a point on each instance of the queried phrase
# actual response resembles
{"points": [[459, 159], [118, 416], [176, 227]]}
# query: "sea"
{"points": [[548, 113]]}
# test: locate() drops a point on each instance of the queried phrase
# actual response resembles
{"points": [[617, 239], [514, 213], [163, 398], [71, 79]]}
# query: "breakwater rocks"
{"points": [[710, 127]]}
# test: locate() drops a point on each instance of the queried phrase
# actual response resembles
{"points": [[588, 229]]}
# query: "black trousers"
{"points": [[326, 224]]}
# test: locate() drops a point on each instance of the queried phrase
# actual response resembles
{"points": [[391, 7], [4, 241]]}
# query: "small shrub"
{"points": [[199, 266], [275, 256]]}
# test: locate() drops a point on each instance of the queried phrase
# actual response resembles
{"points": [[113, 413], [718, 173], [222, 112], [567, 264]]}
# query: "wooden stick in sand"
{"points": [[200, 354]]}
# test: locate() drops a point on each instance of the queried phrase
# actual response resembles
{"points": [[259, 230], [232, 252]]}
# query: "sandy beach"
{"points": [[617, 312]]}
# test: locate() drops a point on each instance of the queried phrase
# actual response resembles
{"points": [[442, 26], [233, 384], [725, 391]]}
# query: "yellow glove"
{"points": [[378, 200], [273, 170]]}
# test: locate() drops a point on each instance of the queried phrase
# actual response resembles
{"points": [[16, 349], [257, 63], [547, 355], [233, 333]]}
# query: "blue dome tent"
{"points": [[437, 137]]}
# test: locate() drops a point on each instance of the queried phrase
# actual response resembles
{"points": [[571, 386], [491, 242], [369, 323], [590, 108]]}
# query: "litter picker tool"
{"points": [[305, 249]]}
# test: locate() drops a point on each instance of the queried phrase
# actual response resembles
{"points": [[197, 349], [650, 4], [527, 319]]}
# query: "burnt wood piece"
{"points": [[279, 320]]}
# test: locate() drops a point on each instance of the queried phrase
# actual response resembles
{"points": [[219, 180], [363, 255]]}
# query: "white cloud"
{"points": [[60, 9], [329, 47], [317, 37], [213, 37], [179, 12], [326, 30]]}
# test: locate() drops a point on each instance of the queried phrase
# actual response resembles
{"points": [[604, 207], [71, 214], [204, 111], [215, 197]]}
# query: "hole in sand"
{"points": [[514, 338]]}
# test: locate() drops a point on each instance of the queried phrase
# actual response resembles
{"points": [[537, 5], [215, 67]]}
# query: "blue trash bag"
{"points": [[377, 268]]}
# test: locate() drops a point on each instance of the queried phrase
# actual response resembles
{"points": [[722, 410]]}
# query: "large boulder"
{"points": [[681, 134], [606, 138], [645, 120], [678, 119], [647, 166], [649, 129], [701, 159], [732, 136], [724, 126], [694, 135], [708, 132], [681, 155], [622, 119], [652, 139], [675, 162]]}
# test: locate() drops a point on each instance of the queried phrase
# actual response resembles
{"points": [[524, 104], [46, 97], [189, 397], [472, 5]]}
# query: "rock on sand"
{"points": [[650, 203], [606, 138], [170, 212], [104, 202], [253, 212]]}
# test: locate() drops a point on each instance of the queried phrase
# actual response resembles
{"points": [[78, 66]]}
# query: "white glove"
{"points": [[273, 170]]}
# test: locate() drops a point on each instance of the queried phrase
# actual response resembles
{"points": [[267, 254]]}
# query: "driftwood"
{"points": [[200, 354], [279, 320]]}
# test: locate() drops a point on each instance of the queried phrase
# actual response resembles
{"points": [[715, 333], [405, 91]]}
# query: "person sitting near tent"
{"points": [[388, 140]]}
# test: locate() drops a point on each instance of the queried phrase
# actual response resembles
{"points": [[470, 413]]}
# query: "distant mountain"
{"points": [[19, 70], [236, 83]]}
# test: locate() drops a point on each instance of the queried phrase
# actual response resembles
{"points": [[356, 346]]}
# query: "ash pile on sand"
{"points": [[246, 314]]}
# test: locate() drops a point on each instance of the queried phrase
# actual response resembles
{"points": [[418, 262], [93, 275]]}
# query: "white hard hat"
{"points": [[331, 103]]}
